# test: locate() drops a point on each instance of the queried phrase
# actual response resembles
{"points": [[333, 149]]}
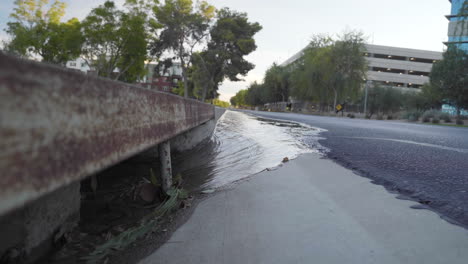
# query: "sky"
{"points": [[288, 25]]}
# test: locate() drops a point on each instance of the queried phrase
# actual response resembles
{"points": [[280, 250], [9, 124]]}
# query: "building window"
{"points": [[73, 64]]}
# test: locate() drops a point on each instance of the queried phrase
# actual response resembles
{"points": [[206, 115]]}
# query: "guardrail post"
{"points": [[166, 166]]}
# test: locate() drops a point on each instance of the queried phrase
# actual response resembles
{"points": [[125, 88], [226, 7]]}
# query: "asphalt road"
{"points": [[423, 162]]}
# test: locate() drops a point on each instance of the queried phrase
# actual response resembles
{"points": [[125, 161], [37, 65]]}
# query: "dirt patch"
{"points": [[120, 204]]}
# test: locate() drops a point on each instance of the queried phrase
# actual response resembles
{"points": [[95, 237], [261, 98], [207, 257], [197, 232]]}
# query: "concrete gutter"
{"points": [[59, 126], [312, 210]]}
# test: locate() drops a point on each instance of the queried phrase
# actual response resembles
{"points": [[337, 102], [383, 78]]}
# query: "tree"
{"points": [[37, 31], [240, 98], [312, 77], [183, 28], [231, 38], [449, 78], [330, 70], [277, 83], [256, 94], [349, 66], [116, 42], [202, 77]]}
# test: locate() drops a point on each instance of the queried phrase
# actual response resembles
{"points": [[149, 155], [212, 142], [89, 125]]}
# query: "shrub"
{"points": [[389, 117], [445, 117], [379, 117], [351, 116], [435, 120], [412, 116], [431, 113], [460, 121]]}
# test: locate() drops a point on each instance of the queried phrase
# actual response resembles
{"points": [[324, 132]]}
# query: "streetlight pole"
{"points": [[368, 82]]}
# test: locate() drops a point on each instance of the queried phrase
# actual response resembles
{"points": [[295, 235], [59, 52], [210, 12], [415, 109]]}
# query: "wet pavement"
{"points": [[311, 210], [426, 163], [243, 145]]}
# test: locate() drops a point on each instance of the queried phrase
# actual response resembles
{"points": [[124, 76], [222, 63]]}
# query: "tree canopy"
{"points": [[115, 42], [231, 38], [184, 26], [449, 77], [37, 31], [209, 44], [329, 70]]}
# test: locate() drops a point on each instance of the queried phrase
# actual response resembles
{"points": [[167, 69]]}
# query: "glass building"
{"points": [[458, 24]]}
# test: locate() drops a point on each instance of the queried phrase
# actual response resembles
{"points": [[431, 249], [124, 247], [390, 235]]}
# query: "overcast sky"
{"points": [[289, 24]]}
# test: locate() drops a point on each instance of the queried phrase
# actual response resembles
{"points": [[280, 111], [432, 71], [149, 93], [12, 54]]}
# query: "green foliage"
{"points": [[277, 84], [116, 42], [240, 99], [231, 38], [384, 100], [256, 94], [412, 115], [446, 117], [202, 78], [154, 179], [148, 224], [329, 71], [183, 27], [37, 31], [431, 114], [449, 77], [220, 103]]}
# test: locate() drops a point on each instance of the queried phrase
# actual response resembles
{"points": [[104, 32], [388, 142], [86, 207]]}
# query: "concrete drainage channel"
{"points": [[59, 130]]}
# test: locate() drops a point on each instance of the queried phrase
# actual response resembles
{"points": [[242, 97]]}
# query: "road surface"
{"points": [[425, 162], [311, 210]]}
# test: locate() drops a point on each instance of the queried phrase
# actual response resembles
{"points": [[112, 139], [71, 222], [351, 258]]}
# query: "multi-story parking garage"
{"points": [[403, 68], [406, 69]]}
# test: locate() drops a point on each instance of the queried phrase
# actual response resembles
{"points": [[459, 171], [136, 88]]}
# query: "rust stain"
{"points": [[58, 126]]}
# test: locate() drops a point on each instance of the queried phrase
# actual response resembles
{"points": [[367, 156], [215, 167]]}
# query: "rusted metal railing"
{"points": [[58, 126]]}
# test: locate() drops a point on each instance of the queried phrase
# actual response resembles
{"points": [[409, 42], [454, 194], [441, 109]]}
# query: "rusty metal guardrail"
{"points": [[58, 126]]}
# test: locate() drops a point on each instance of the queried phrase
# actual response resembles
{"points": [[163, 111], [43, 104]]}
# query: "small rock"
{"points": [[286, 159], [207, 191], [148, 192]]}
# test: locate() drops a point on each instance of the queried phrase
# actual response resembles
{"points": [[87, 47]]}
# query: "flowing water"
{"points": [[243, 145]]}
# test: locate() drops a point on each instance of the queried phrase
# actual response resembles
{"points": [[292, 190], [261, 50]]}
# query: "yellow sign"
{"points": [[339, 107]]}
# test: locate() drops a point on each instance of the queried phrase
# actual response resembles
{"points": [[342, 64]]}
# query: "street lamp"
{"points": [[368, 83]]}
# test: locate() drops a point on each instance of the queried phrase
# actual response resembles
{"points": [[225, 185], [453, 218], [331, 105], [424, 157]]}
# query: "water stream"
{"points": [[243, 145]]}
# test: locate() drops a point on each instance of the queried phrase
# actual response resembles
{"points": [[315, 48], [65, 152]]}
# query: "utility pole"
{"points": [[368, 82]]}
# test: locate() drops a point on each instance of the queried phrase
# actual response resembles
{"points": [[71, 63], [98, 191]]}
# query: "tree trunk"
{"points": [[334, 100], [184, 69], [184, 75]]}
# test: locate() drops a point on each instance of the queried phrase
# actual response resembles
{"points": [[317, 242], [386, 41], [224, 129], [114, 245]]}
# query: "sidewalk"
{"points": [[311, 210]]}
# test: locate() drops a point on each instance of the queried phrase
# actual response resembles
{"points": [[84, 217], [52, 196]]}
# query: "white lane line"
{"points": [[414, 143]]}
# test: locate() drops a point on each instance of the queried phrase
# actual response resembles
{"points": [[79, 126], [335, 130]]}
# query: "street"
{"points": [[426, 162], [313, 210]]}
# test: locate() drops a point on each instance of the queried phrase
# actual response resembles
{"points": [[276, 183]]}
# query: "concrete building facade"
{"points": [[458, 24], [406, 69], [78, 64], [165, 80]]}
